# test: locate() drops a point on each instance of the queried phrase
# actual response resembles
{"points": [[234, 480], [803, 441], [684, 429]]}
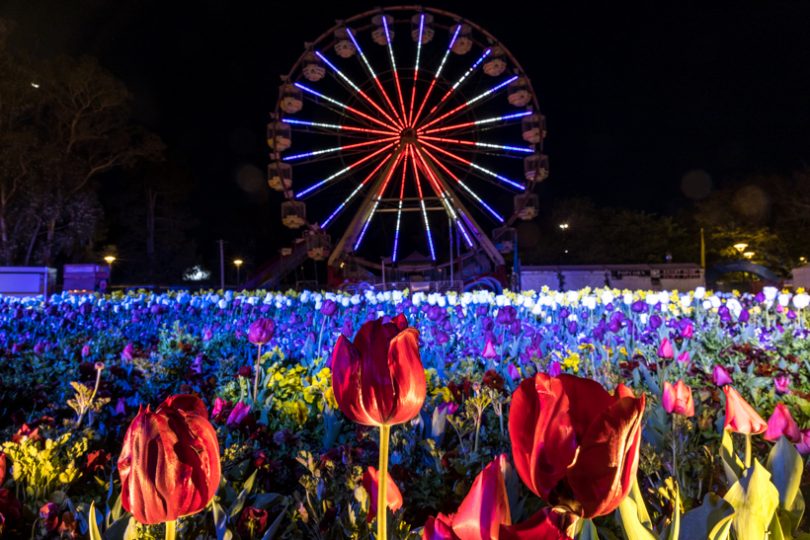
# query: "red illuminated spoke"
{"points": [[479, 144], [334, 149], [464, 186], [338, 127], [416, 67], [460, 81], [346, 107], [394, 67], [342, 76], [436, 75], [340, 173], [484, 170], [429, 235], [435, 183], [469, 102], [377, 199], [475, 123], [383, 93], [356, 190]]}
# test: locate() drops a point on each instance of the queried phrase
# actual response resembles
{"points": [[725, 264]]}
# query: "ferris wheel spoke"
{"points": [[469, 102], [334, 149], [435, 183], [399, 208], [356, 190], [438, 72], [459, 82], [493, 174], [476, 123], [345, 107], [394, 68], [377, 199], [479, 144], [416, 67], [422, 205], [464, 186], [374, 76], [339, 173], [337, 127], [356, 88]]}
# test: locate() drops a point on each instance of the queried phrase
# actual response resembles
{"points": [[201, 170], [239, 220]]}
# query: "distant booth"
{"points": [[620, 276], [27, 280], [86, 277]]}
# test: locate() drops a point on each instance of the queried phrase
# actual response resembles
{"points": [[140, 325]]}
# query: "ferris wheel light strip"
{"points": [[342, 171], [469, 102], [373, 74], [394, 66], [438, 73], [344, 106], [479, 144], [435, 184], [356, 88], [399, 208], [348, 199], [416, 67], [340, 127], [337, 149], [500, 177], [461, 80], [422, 204], [481, 122], [377, 199], [466, 188]]}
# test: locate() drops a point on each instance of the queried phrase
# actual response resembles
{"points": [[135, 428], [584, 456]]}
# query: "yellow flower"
{"points": [[571, 362]]}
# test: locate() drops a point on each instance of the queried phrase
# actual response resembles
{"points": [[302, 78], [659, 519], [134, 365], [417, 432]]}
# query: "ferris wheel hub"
{"points": [[408, 136]]}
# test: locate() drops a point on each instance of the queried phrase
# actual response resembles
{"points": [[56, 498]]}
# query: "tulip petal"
{"points": [[608, 458], [486, 506], [393, 496], [346, 367], [185, 402], [545, 525], [740, 416], [408, 376], [584, 396], [438, 528], [377, 387], [540, 428]]}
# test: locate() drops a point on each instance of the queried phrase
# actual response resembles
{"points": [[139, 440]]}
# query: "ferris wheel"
{"points": [[399, 128]]}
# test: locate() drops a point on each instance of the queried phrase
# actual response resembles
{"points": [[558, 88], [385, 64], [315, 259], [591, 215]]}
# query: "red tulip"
{"points": [[3, 466], [481, 513], [379, 379], [393, 496], [169, 464], [782, 423], [574, 444], [678, 399], [740, 416], [544, 525]]}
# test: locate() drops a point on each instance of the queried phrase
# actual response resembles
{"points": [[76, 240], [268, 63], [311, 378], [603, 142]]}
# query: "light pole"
{"points": [[740, 247], [564, 228], [109, 259], [238, 264]]}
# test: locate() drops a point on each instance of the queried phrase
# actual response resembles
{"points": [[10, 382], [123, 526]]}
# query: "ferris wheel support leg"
{"points": [[345, 245], [480, 236]]}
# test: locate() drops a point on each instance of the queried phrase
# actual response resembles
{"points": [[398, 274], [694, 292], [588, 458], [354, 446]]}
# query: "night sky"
{"points": [[634, 98]]}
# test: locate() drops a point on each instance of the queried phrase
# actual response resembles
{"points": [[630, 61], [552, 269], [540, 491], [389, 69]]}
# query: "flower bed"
{"points": [[78, 369]]}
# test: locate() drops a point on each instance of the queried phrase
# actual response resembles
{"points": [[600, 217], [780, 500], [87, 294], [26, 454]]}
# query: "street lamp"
{"points": [[109, 259], [564, 226], [740, 247], [749, 255], [238, 264]]}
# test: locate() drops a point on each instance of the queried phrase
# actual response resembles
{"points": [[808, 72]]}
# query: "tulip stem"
{"points": [[382, 484], [675, 450], [747, 450], [171, 530], [256, 377]]}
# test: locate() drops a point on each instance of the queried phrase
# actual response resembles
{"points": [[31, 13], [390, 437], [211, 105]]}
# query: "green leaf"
{"points": [[589, 530], [732, 465], [220, 521], [755, 500], [674, 530], [273, 528], [641, 508], [95, 534], [710, 520], [786, 467], [122, 529], [634, 529], [775, 529]]}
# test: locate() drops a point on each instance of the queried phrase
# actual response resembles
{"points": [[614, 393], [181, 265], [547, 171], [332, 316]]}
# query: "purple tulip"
{"points": [[639, 306], [683, 358], [686, 328], [261, 331], [238, 414], [449, 407], [85, 351], [665, 349], [554, 369], [128, 353], [744, 316], [720, 376], [782, 383]]}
